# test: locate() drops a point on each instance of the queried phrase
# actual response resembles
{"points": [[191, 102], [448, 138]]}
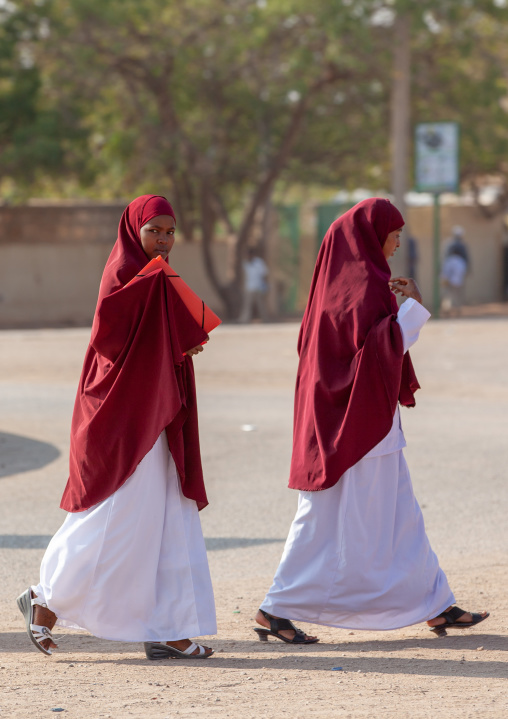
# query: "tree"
{"points": [[460, 74], [214, 102], [35, 136], [223, 102]]}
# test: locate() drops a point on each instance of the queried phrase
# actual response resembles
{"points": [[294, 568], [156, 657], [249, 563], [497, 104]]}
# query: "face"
{"points": [[158, 236], [391, 243]]}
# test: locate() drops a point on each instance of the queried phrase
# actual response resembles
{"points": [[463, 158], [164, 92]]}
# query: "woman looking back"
{"points": [[129, 563]]}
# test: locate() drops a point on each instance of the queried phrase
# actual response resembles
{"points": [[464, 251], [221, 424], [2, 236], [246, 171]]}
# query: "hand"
{"points": [[405, 286], [198, 348]]}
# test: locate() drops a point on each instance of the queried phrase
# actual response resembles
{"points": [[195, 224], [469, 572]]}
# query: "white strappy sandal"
{"points": [[36, 633], [158, 650]]}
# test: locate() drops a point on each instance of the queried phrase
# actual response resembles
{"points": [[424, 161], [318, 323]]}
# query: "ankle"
{"points": [[44, 616]]}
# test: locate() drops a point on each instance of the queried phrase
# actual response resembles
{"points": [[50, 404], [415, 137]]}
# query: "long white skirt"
{"points": [[357, 555], [134, 567]]}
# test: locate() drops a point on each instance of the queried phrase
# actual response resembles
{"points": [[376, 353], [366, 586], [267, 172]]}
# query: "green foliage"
{"points": [[165, 90], [460, 74], [221, 103], [39, 135]]}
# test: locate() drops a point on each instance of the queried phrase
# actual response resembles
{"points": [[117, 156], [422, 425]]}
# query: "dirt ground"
{"points": [[458, 457]]}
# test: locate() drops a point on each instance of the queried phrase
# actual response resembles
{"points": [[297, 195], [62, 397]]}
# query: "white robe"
{"points": [[133, 568], [357, 555]]}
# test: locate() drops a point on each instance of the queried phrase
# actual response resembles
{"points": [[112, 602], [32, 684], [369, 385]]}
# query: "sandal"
{"points": [[276, 625], [158, 650], [36, 633], [451, 621]]}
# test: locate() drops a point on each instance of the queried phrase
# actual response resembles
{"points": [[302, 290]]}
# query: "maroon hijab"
{"points": [[352, 368], [136, 380], [127, 256]]}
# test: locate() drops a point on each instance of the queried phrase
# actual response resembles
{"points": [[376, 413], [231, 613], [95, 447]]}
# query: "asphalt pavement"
{"points": [[457, 454]]}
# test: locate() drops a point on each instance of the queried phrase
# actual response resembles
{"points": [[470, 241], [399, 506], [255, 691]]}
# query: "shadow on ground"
{"points": [[22, 454], [325, 657], [217, 543], [213, 544]]}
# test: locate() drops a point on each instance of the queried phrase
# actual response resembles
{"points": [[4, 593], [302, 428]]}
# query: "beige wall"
{"points": [[49, 284], [52, 258], [483, 236]]}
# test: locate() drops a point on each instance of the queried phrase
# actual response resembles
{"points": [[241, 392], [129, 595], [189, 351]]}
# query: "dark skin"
{"points": [[406, 287], [400, 285], [288, 633], [157, 239], [158, 236]]}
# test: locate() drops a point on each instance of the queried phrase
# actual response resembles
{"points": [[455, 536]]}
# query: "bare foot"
{"points": [[465, 618], [44, 617], [183, 644], [288, 633]]}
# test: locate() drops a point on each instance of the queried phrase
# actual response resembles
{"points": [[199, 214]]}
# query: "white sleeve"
{"points": [[411, 318]]}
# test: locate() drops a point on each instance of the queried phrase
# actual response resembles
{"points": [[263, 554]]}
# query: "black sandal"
{"points": [[159, 650], [276, 625], [451, 616]]}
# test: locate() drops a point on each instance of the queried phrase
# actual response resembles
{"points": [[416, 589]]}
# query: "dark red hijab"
{"points": [[352, 369], [136, 380]]}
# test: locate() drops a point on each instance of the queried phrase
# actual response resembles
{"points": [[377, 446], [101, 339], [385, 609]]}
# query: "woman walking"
{"points": [[357, 555], [129, 563]]}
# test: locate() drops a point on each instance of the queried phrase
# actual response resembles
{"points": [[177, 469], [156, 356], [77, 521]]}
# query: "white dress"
{"points": [[133, 568], [357, 555]]}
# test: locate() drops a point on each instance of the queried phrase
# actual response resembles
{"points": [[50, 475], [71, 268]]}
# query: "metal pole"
{"points": [[437, 248], [400, 120]]}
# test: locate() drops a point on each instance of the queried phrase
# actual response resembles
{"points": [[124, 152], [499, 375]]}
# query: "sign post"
{"points": [[437, 171], [436, 294]]}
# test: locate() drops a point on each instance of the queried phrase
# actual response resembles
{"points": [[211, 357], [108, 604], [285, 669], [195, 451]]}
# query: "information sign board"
{"points": [[437, 157]]}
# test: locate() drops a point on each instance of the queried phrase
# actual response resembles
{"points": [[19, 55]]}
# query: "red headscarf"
{"points": [[135, 381], [127, 256], [352, 369]]}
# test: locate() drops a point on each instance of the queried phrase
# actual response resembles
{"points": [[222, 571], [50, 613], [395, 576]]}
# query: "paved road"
{"points": [[458, 456]]}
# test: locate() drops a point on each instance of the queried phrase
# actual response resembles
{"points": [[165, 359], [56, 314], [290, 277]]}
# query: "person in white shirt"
{"points": [[256, 287], [453, 272]]}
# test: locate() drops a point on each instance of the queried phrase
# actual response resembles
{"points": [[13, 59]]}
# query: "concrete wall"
{"points": [[52, 258], [483, 236]]}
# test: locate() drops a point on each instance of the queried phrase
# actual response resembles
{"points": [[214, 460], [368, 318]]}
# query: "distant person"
{"points": [[255, 287], [456, 265], [357, 555], [413, 256], [457, 246], [129, 562]]}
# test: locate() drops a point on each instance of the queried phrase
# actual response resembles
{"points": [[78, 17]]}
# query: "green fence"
{"points": [[289, 256], [289, 248], [326, 214]]}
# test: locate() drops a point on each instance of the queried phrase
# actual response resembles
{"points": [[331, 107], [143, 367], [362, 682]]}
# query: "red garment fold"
{"points": [[136, 381], [352, 368]]}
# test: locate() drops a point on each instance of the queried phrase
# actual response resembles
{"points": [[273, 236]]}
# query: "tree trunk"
{"points": [[230, 294], [400, 121]]}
